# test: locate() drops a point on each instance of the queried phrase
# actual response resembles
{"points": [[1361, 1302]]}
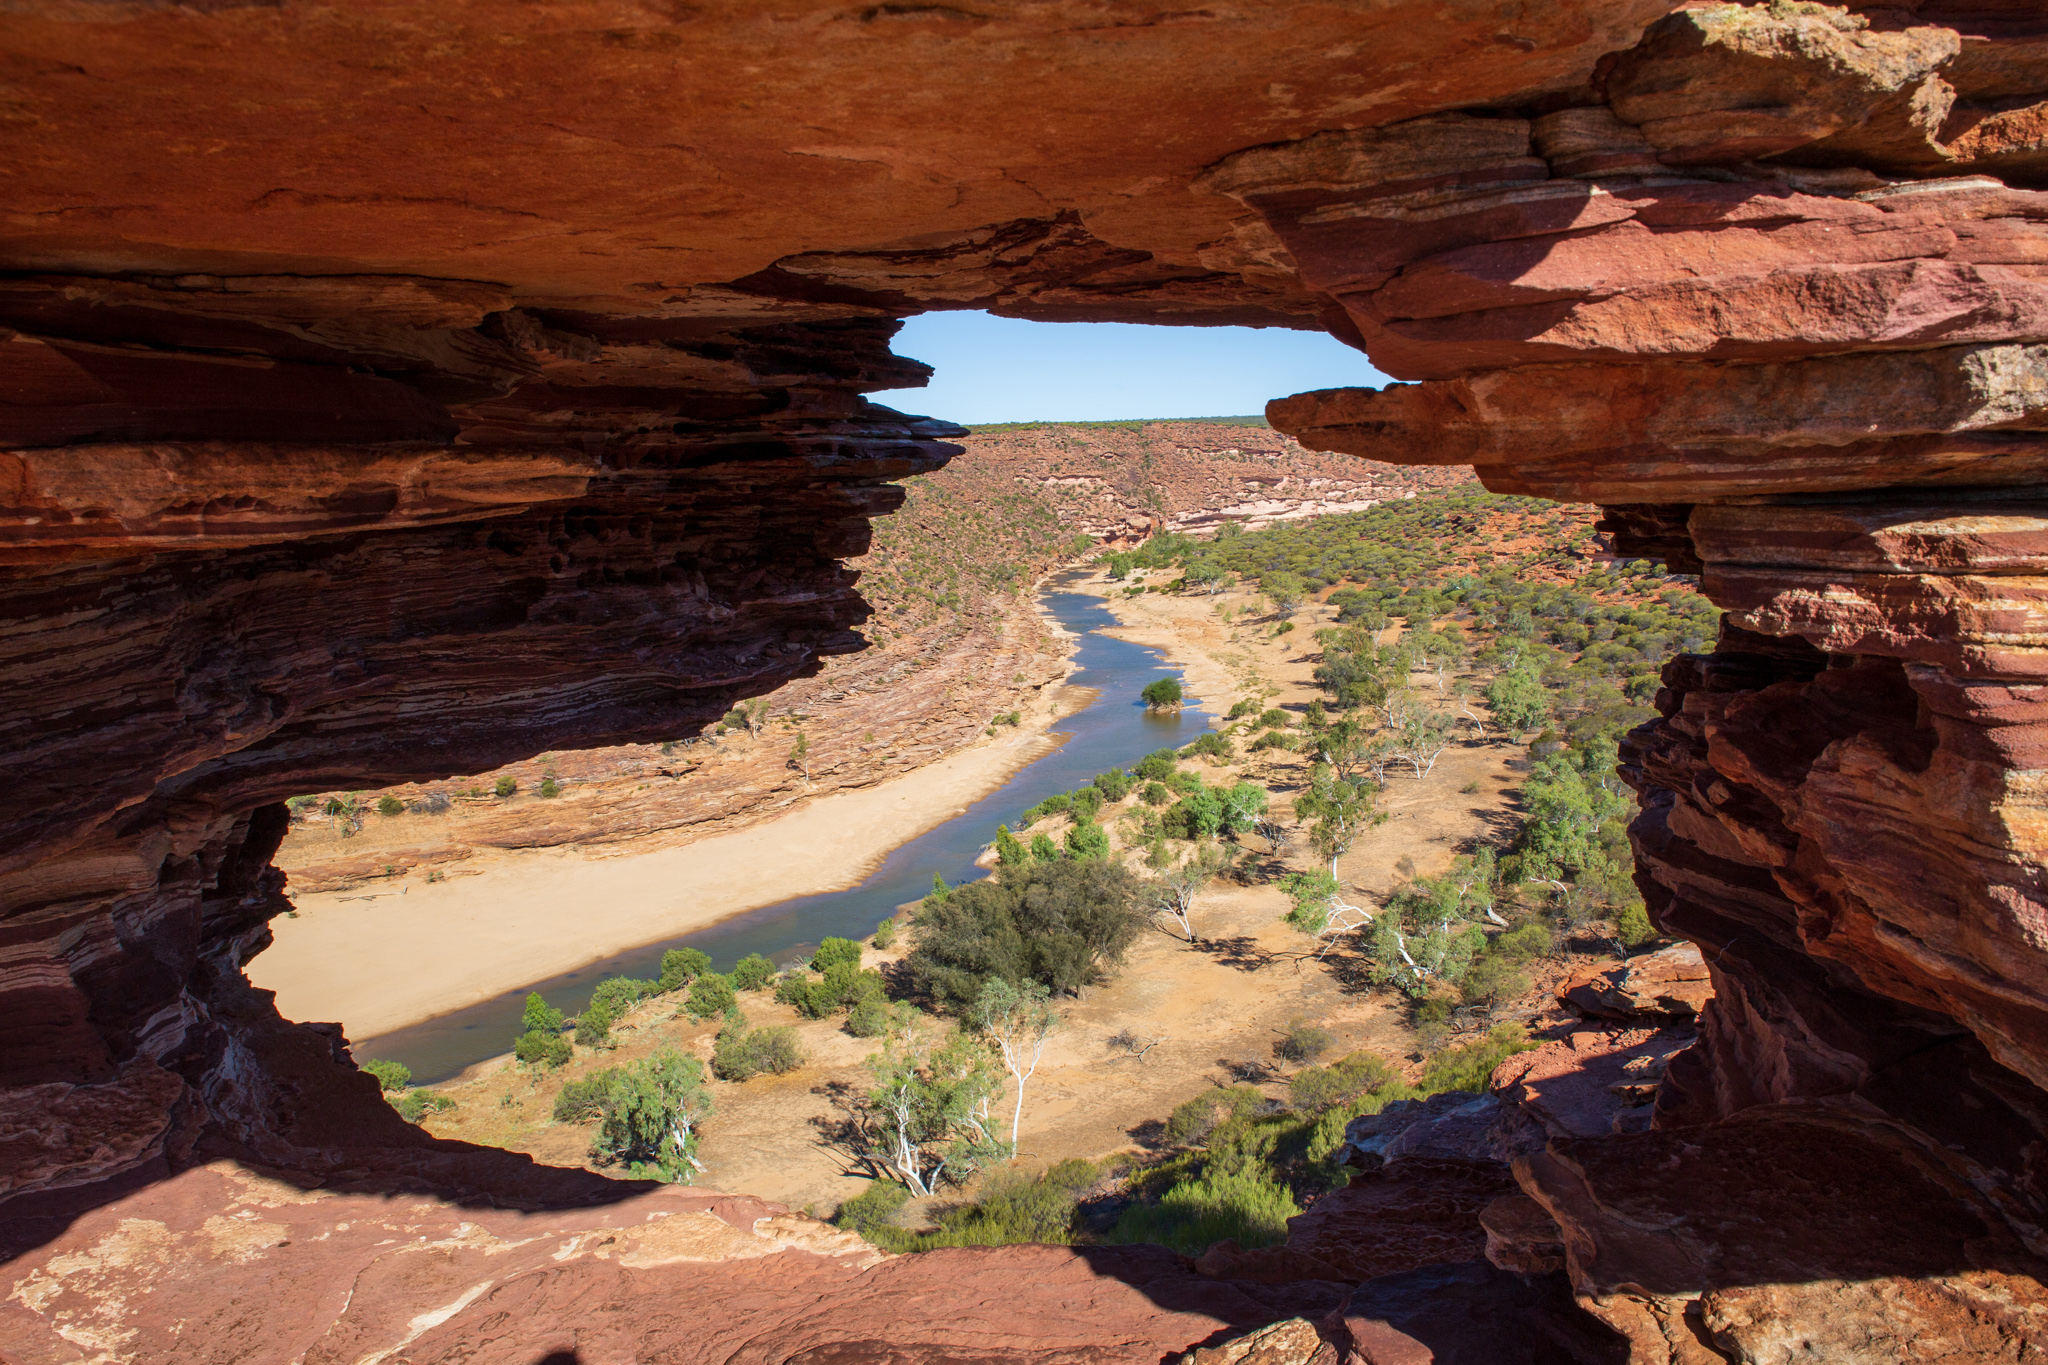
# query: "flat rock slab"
{"points": [[1670, 981], [222, 1264], [1416, 1212], [1587, 1083]]}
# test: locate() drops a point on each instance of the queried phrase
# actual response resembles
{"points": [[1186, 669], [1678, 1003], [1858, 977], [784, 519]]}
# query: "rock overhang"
{"points": [[397, 392]]}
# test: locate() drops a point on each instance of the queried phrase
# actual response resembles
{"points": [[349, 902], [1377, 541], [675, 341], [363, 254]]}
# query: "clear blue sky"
{"points": [[992, 369]]}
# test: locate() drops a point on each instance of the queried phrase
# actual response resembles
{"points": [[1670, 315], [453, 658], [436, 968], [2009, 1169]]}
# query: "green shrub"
{"points": [[741, 1054], [1315, 1089], [1303, 1042], [1273, 718], [1114, 785], [580, 1100], [710, 994], [619, 992], [1059, 803], [1155, 794], [752, 972], [594, 1025], [648, 1113], [1163, 694], [1088, 840], [390, 805], [539, 1016], [506, 786], [1523, 942], [843, 986], [415, 1105], [681, 966], [1468, 1067], [1632, 926], [1157, 766], [1043, 849], [1491, 977], [869, 1017], [1241, 709], [1208, 744], [390, 1075], [1013, 1209], [1248, 1207], [1198, 815], [542, 1049], [835, 950], [793, 987], [1010, 1209], [1008, 850], [1084, 805], [1195, 1119], [885, 932], [1064, 923], [549, 788], [1273, 739], [874, 1207]]}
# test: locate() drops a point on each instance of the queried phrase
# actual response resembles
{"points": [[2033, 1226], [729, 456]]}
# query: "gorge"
{"points": [[404, 391]]}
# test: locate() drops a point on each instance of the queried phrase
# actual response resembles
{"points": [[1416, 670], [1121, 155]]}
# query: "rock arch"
{"points": [[398, 392]]}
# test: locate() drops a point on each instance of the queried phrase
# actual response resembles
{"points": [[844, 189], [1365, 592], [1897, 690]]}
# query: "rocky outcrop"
{"points": [[409, 393], [221, 1258], [1670, 981], [1767, 289]]}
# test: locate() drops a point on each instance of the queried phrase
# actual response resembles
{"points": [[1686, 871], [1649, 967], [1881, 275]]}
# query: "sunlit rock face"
{"points": [[1771, 287], [402, 392]]}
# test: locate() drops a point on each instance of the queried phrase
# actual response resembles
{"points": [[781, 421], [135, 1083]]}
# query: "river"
{"points": [[1114, 729]]}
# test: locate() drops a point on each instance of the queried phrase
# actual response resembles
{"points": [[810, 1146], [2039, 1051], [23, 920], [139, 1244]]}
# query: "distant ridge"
{"points": [[1122, 424]]}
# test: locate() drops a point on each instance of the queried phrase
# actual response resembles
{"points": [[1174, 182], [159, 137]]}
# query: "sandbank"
{"points": [[383, 959]]}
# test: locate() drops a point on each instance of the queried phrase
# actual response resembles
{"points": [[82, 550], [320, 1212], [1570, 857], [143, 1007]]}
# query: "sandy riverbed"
{"points": [[381, 959], [1214, 1010]]}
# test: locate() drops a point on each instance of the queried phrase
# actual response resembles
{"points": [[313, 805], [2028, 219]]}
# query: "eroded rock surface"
{"points": [[405, 393], [222, 1258], [1766, 292], [1670, 982]]}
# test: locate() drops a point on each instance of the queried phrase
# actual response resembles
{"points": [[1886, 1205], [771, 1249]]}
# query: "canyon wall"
{"points": [[406, 390], [1771, 289]]}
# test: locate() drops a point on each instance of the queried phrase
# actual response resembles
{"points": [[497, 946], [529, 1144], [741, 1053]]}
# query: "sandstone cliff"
{"points": [[404, 391]]}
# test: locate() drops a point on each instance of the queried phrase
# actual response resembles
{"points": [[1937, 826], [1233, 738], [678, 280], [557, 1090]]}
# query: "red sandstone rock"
{"points": [[1522, 1236], [604, 493], [1418, 1212], [1639, 435], [1294, 1342], [1867, 1237], [1587, 1083], [1731, 84], [223, 1262], [1453, 1126], [1670, 981], [1469, 1314]]}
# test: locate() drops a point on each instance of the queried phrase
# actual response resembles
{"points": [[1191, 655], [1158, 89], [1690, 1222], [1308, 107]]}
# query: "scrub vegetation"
{"points": [[1453, 622]]}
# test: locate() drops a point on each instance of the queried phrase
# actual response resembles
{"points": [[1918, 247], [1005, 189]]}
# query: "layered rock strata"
{"points": [[1770, 289], [239, 1262], [578, 539], [407, 392]]}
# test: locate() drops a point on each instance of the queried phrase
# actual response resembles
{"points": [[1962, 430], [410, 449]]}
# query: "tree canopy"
{"points": [[1063, 923]]}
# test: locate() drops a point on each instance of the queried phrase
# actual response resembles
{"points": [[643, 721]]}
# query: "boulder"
{"points": [[1453, 1126], [1670, 982]]}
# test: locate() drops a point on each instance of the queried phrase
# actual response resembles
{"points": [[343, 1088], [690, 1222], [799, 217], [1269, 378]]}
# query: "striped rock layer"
{"points": [[403, 390]]}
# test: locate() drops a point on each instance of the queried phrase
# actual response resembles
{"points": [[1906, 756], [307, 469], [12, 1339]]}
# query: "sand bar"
{"points": [[383, 958]]}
